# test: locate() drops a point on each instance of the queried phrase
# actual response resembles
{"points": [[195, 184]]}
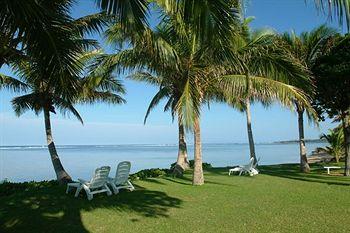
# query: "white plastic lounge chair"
{"points": [[250, 168], [98, 184], [120, 181]]}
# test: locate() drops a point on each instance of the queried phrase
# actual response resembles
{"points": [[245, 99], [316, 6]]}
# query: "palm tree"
{"points": [[169, 89], [262, 71], [306, 48], [335, 138], [174, 52], [52, 80], [41, 96]]}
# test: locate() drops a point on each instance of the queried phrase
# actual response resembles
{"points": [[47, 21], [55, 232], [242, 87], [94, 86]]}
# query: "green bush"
{"points": [[149, 173], [8, 188], [205, 165]]}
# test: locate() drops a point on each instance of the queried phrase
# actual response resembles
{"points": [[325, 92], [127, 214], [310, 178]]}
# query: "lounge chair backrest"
{"points": [[100, 177], [122, 173]]}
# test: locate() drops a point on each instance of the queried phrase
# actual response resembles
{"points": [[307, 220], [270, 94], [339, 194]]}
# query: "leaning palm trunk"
{"points": [[346, 129], [304, 166], [250, 131], [62, 175], [182, 159], [198, 178]]}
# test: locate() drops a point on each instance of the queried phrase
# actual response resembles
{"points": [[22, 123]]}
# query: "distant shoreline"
{"points": [[296, 141], [156, 145]]}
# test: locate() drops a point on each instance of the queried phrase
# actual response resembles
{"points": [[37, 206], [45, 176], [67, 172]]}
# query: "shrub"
{"points": [[149, 173], [205, 165], [8, 188]]}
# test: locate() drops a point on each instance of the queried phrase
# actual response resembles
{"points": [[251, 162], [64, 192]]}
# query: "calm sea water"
{"points": [[26, 163]]}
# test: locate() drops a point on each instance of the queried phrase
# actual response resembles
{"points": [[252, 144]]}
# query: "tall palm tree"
{"points": [[335, 138], [51, 75], [172, 51], [263, 72], [306, 48], [41, 96], [170, 90]]}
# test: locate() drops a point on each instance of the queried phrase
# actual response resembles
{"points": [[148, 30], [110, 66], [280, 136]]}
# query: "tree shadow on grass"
{"points": [[50, 210], [291, 171], [187, 180]]}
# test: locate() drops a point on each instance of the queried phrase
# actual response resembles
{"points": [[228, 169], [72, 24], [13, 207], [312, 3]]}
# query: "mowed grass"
{"points": [[280, 199]]}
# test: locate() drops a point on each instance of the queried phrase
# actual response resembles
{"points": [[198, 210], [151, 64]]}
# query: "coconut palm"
{"points": [[335, 138], [306, 48], [182, 58], [57, 83], [169, 90], [41, 96], [262, 71]]}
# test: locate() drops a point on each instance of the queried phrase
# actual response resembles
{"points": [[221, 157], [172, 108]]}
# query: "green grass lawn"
{"points": [[280, 199]]}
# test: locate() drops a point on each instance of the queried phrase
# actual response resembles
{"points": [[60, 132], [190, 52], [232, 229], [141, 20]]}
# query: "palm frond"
{"points": [[91, 23], [66, 107], [263, 89], [146, 77], [12, 83], [338, 9], [161, 94], [32, 101], [131, 13], [189, 104]]}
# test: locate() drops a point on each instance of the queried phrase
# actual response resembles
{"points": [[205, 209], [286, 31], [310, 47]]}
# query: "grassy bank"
{"points": [[279, 200]]}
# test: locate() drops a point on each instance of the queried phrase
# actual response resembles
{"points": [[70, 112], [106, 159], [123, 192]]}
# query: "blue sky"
{"points": [[123, 124]]}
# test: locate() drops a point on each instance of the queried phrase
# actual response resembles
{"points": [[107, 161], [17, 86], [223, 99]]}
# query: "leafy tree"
{"points": [[169, 90], [262, 71], [332, 87], [51, 75], [41, 96], [335, 138], [176, 52], [306, 48]]}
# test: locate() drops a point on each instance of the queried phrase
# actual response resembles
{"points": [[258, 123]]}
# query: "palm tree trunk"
{"points": [[304, 166], [250, 131], [346, 129], [62, 175], [182, 159], [198, 178]]}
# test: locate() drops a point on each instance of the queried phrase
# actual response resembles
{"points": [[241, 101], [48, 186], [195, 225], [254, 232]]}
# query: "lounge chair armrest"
{"points": [[83, 181]]}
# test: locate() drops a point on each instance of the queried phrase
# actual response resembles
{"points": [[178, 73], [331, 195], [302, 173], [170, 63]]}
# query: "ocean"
{"points": [[27, 163]]}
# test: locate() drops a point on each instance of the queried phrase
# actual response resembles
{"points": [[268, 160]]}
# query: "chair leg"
{"points": [[78, 191], [115, 189], [131, 187], [67, 190], [88, 193], [109, 193]]}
